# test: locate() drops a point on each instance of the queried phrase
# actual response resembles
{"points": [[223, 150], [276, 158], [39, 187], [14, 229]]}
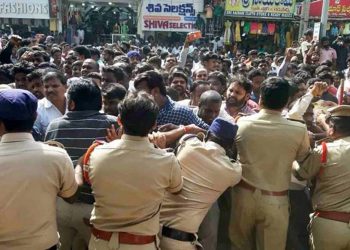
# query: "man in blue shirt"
{"points": [[170, 111]]}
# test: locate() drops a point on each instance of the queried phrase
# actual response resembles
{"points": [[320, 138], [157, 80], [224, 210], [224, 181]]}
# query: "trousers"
{"points": [[329, 234], [208, 230], [74, 234], [171, 244], [224, 203], [258, 221], [300, 208]]}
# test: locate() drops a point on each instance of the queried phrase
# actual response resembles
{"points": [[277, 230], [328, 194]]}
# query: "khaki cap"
{"points": [[341, 110]]}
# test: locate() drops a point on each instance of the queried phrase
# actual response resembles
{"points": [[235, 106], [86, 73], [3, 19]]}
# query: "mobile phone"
{"points": [[192, 36]]}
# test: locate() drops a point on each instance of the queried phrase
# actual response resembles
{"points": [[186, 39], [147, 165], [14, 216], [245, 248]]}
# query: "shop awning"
{"points": [[338, 9]]}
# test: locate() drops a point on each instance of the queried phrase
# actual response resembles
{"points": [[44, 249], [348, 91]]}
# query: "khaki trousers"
{"points": [[113, 244], [329, 234], [171, 244], [74, 234], [258, 221]]}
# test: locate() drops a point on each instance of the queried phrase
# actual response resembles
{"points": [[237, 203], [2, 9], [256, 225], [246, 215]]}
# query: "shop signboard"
{"points": [[170, 15], [272, 9], [337, 9], [33, 9]]}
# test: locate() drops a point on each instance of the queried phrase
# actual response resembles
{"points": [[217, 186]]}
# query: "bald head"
{"points": [[210, 96], [209, 106], [89, 65]]}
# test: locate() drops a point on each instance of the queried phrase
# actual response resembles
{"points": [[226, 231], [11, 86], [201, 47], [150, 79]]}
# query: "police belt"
{"points": [[245, 185], [124, 238], [333, 215], [178, 234]]}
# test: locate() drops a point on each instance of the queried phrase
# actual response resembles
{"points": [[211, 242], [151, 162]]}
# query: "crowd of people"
{"points": [[125, 147]]}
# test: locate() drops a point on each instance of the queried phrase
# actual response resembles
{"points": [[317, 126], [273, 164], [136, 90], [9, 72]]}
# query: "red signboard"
{"points": [[337, 9]]}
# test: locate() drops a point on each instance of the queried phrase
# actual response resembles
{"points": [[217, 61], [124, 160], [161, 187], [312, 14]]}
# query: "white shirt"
{"points": [[47, 112], [185, 102], [81, 35], [175, 51], [223, 113], [305, 45]]}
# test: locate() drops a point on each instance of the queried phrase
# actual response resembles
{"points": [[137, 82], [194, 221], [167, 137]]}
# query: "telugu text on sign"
{"points": [[170, 15]]}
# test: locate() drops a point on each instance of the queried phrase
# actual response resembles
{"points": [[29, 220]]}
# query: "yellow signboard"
{"points": [[260, 8]]}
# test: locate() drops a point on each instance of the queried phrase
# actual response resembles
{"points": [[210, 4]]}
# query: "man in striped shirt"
{"points": [[76, 130]]}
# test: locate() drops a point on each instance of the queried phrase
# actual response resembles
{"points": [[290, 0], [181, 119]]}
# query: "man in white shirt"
{"points": [[54, 104], [306, 44]]}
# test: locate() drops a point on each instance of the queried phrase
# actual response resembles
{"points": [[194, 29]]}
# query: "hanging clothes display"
{"points": [[334, 30], [260, 26], [341, 29], [271, 28], [264, 30], [227, 35], [254, 28], [282, 32], [289, 39], [238, 32], [346, 30], [276, 38], [208, 11], [246, 27]]}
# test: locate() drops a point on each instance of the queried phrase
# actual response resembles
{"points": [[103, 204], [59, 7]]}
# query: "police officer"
{"points": [[207, 172], [32, 176], [329, 163], [129, 178], [267, 145]]}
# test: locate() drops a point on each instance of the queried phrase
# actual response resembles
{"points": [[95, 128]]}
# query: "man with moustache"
{"points": [[54, 104], [178, 80], [237, 96]]}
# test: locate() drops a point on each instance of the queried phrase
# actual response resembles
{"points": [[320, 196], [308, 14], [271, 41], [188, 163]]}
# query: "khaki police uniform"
{"points": [[267, 145], [32, 175], [330, 164], [129, 178], [207, 173]]}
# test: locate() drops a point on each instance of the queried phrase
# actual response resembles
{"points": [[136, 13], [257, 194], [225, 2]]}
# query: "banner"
{"points": [[33, 9], [170, 15], [274, 9], [337, 9]]}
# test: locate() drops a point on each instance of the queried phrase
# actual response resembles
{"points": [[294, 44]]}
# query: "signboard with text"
{"points": [[337, 9], [34, 9], [317, 30], [274, 9], [170, 15]]}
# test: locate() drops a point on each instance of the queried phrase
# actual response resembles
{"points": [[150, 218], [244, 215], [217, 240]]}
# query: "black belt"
{"points": [[85, 195], [177, 234]]}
